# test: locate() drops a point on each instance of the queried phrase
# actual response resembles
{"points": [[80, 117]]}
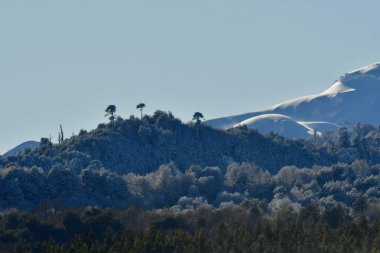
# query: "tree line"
{"points": [[239, 229], [111, 113]]}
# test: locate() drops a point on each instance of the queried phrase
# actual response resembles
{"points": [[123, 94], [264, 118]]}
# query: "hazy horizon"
{"points": [[65, 62]]}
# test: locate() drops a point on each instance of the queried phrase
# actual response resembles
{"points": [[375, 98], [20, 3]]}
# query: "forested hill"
{"points": [[158, 161], [142, 145]]}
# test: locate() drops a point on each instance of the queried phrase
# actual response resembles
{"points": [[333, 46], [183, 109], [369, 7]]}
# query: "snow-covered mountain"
{"points": [[355, 97], [22, 147]]}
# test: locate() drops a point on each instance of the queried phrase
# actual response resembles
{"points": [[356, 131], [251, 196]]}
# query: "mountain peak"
{"points": [[354, 98], [371, 71], [368, 69]]}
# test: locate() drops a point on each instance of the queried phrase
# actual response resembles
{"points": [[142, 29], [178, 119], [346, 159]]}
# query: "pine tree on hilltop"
{"points": [[110, 111], [197, 117], [141, 106]]}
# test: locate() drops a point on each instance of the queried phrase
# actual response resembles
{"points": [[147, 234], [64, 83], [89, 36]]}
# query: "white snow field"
{"points": [[354, 98]]}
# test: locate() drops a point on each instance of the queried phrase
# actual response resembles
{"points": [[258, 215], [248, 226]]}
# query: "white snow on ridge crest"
{"points": [[354, 98], [370, 71], [278, 123], [338, 87]]}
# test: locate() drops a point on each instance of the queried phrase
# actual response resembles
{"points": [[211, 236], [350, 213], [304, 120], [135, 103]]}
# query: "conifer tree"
{"points": [[141, 106], [197, 118], [110, 112]]}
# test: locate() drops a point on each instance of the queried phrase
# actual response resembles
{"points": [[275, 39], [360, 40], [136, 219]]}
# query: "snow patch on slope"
{"points": [[278, 123], [320, 126], [338, 87]]}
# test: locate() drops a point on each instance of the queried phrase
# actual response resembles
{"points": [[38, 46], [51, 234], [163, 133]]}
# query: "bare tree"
{"points": [[60, 135]]}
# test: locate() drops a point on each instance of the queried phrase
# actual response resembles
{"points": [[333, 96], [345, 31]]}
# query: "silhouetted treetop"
{"points": [[110, 112]]}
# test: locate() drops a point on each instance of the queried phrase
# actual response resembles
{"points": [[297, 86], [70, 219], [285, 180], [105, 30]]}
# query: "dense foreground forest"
{"points": [[238, 229], [158, 185]]}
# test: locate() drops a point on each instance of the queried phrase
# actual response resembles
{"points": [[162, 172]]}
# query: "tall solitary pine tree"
{"points": [[110, 112]]}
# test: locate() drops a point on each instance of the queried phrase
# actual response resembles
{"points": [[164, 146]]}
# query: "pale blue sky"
{"points": [[63, 62]]}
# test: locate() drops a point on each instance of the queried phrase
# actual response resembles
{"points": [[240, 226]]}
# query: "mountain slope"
{"points": [[22, 147], [355, 97]]}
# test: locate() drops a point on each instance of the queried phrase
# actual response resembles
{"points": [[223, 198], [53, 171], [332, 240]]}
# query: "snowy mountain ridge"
{"points": [[353, 98], [22, 147]]}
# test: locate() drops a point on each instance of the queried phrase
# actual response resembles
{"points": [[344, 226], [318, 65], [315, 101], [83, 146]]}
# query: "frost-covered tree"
{"points": [[210, 182], [344, 139], [287, 176], [34, 184], [93, 181], [245, 175], [10, 188], [63, 183], [116, 188], [160, 188]]}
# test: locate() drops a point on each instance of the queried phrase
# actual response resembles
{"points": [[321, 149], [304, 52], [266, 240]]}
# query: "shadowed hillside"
{"points": [[141, 146]]}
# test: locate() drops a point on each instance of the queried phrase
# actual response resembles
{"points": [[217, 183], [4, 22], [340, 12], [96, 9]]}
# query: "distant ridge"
{"points": [[353, 98], [22, 147]]}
